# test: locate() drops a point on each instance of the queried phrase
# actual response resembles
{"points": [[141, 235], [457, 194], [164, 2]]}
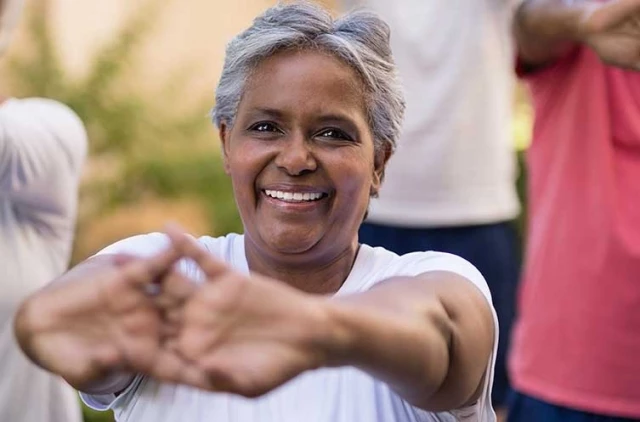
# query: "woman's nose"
{"points": [[296, 156]]}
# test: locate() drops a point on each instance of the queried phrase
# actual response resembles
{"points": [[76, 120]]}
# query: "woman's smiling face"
{"points": [[301, 155]]}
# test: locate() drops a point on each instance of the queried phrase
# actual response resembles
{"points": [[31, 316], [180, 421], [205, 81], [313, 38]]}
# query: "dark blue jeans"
{"points": [[523, 408], [493, 248]]}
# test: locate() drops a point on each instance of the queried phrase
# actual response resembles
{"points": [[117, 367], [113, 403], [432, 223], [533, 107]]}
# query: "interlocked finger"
{"points": [[189, 247], [174, 289], [171, 324], [170, 367], [142, 272]]}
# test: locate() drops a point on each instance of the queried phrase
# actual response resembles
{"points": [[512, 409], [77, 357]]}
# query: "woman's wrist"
{"points": [[30, 320], [22, 328], [332, 339]]}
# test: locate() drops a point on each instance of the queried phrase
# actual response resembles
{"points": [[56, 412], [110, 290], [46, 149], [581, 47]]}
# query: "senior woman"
{"points": [[294, 320]]}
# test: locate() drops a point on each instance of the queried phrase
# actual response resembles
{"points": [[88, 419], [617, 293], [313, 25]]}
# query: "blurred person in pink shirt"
{"points": [[42, 149], [576, 344]]}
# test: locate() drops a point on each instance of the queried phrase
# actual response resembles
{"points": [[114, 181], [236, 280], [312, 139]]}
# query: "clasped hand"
{"points": [[232, 332], [612, 30]]}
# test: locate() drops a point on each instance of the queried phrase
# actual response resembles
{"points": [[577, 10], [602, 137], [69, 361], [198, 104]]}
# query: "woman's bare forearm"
{"points": [[428, 337]]}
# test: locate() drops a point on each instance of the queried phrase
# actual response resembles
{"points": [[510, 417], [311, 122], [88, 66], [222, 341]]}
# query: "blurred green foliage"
{"points": [[93, 416], [153, 150]]}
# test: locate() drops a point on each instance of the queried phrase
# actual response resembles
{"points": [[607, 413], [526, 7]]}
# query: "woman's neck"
{"points": [[323, 274]]}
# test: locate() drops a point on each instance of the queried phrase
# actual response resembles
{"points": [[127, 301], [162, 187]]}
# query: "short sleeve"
{"points": [[146, 245], [104, 402], [142, 245], [417, 263]]}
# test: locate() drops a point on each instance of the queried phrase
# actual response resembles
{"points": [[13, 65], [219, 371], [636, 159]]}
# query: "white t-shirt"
{"points": [[42, 148], [454, 163], [324, 395]]}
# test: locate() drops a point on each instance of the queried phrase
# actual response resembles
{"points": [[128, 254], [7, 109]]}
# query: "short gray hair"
{"points": [[360, 39]]}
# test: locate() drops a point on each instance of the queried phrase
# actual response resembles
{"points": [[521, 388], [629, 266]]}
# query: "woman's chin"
{"points": [[291, 243], [289, 247]]}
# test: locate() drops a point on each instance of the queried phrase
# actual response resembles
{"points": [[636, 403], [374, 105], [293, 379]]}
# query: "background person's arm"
{"points": [[546, 29], [43, 145]]}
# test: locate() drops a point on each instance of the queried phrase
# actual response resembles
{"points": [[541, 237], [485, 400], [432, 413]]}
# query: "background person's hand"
{"points": [[101, 319], [248, 335], [612, 30]]}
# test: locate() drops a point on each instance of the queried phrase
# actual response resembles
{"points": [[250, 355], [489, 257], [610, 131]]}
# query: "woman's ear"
{"points": [[382, 155], [223, 132]]}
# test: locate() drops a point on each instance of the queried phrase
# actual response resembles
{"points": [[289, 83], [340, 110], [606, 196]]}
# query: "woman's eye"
{"points": [[264, 127], [333, 133]]}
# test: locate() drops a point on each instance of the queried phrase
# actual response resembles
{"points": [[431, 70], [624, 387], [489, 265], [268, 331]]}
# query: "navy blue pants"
{"points": [[523, 408], [493, 248]]}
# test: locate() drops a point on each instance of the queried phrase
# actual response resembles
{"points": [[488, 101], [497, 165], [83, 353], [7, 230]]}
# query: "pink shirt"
{"points": [[577, 340]]}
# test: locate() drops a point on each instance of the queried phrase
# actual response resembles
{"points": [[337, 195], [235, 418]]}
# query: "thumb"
{"points": [[189, 247]]}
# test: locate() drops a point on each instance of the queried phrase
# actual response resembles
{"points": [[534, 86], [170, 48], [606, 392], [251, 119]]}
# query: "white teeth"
{"points": [[294, 196]]}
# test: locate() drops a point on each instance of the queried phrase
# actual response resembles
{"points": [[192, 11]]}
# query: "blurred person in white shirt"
{"points": [[42, 148]]}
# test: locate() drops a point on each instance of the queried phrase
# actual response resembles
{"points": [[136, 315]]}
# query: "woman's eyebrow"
{"points": [[343, 120], [335, 117], [266, 112]]}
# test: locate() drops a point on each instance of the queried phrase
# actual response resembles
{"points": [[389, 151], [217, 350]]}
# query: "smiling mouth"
{"points": [[295, 197]]}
